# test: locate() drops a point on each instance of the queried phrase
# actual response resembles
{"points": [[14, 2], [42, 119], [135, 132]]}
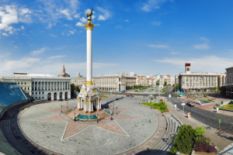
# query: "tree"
{"points": [[176, 87], [199, 131], [74, 90], [184, 140]]}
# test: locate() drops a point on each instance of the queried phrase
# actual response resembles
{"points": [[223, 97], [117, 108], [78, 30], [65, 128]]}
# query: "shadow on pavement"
{"points": [[154, 152], [225, 135]]}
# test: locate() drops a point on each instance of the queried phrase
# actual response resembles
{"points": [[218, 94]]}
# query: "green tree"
{"points": [[199, 134], [176, 87], [199, 131], [74, 90], [184, 140]]}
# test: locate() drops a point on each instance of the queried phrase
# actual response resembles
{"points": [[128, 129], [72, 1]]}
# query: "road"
{"points": [[212, 119]]}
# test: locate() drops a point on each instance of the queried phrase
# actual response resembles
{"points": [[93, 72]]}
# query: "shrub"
{"points": [[161, 106], [199, 132], [204, 147], [187, 137], [202, 139], [184, 140]]}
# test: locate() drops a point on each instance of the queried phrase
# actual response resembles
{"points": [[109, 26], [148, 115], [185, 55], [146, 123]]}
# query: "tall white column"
{"points": [[89, 55]]}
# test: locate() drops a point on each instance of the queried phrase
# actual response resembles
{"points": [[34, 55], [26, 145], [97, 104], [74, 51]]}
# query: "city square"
{"points": [[152, 77], [132, 125]]}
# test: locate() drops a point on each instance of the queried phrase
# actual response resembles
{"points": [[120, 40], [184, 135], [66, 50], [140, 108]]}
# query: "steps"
{"points": [[172, 125]]}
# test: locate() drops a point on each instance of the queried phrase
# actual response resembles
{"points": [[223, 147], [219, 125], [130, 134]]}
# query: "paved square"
{"points": [[133, 125]]}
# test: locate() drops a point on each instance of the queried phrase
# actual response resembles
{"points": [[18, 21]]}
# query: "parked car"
{"points": [[190, 104]]}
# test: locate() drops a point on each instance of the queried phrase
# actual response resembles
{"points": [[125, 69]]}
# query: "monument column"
{"points": [[89, 27], [88, 93]]}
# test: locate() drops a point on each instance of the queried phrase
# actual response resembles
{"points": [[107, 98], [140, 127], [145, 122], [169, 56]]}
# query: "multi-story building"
{"points": [[42, 87], [119, 83], [227, 89], [129, 81], [158, 80], [108, 83], [166, 80], [142, 80], [194, 82]]}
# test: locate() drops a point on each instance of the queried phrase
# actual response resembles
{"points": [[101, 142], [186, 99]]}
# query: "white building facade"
{"points": [[110, 83], [206, 82], [42, 87], [157, 80]]}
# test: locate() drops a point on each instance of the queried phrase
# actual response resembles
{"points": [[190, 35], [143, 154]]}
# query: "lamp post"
{"points": [[183, 104], [219, 123]]}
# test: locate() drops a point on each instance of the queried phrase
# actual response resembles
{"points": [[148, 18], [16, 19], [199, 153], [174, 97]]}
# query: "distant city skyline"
{"points": [[144, 36]]}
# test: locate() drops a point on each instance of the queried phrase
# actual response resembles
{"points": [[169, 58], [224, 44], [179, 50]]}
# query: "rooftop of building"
{"points": [[202, 73], [32, 76], [229, 68]]}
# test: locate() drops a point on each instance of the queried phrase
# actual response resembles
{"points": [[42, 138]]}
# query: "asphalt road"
{"points": [[212, 119]]}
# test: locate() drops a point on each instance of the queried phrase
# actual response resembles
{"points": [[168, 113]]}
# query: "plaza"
{"points": [[132, 125]]}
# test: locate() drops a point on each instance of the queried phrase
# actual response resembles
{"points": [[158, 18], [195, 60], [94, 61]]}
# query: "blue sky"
{"points": [[141, 36]]}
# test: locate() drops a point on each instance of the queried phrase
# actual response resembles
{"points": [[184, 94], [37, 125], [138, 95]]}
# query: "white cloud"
{"points": [[150, 5], [66, 13], [156, 23], [80, 24], [200, 64], [51, 11], [201, 46], [56, 57], [38, 52], [103, 14], [204, 39], [73, 4], [16, 64], [82, 21], [46, 65], [159, 46], [71, 32], [11, 15], [204, 45]]}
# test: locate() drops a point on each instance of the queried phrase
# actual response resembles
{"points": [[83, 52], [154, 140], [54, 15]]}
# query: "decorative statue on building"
{"points": [[63, 72]]}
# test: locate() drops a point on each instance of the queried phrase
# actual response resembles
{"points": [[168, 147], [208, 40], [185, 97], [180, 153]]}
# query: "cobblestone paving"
{"points": [[132, 126]]}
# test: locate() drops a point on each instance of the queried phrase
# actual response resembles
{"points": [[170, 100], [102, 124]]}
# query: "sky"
{"points": [[142, 36]]}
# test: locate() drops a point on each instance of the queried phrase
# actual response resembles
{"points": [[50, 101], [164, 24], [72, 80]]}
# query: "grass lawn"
{"points": [[227, 107], [161, 106], [205, 100]]}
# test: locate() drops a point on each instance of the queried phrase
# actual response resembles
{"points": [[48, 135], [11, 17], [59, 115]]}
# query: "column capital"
{"points": [[89, 25]]}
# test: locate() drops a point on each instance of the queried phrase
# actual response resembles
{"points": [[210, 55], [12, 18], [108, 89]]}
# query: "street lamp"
{"points": [[183, 104]]}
